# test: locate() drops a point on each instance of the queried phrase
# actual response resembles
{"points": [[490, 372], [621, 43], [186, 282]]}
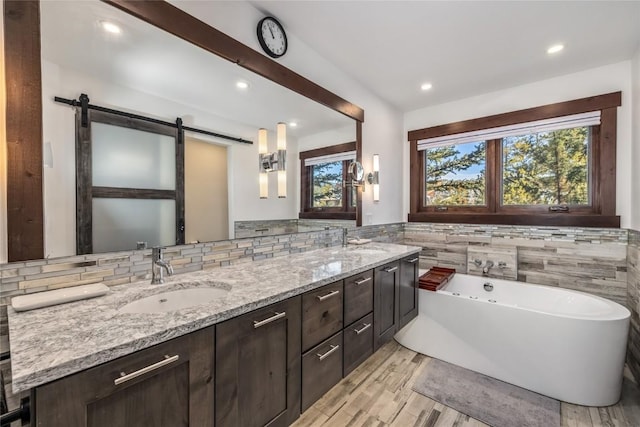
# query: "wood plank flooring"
{"points": [[379, 393]]}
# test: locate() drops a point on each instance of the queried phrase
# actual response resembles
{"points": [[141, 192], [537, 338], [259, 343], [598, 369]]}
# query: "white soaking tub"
{"points": [[564, 344]]}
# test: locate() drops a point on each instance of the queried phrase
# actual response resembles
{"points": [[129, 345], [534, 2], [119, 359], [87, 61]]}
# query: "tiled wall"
{"points": [[633, 301], [243, 229], [587, 259], [117, 268]]}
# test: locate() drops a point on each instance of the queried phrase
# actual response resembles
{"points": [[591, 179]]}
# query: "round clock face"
{"points": [[272, 37]]}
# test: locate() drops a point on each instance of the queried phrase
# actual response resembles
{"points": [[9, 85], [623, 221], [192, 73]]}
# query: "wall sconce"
{"points": [[272, 162], [374, 178]]}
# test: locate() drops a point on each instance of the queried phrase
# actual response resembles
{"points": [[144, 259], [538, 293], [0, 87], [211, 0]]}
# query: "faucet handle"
{"points": [[502, 264], [477, 262], [156, 252]]}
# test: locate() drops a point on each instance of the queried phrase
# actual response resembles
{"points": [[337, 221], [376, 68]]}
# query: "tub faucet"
{"points": [[158, 264], [487, 267]]}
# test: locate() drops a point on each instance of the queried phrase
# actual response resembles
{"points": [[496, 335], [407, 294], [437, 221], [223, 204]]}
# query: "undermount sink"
{"points": [[174, 300]]}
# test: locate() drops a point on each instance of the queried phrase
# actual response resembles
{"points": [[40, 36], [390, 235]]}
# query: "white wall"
{"points": [[596, 81], [206, 206], [59, 131], [382, 130], [635, 197], [3, 147]]}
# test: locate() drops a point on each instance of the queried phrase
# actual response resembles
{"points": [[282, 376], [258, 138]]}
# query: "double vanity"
{"points": [[251, 344]]}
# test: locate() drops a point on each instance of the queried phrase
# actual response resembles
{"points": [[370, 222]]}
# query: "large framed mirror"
{"points": [[164, 69]]}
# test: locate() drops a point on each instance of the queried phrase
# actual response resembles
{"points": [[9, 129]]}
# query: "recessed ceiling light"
{"points": [[110, 27], [555, 48], [426, 86], [293, 124], [242, 85]]}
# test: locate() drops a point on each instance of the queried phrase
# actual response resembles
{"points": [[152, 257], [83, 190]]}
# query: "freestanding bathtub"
{"points": [[560, 343]]}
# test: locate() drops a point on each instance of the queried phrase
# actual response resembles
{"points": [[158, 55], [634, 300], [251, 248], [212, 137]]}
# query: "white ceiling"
{"points": [[462, 48], [147, 59]]}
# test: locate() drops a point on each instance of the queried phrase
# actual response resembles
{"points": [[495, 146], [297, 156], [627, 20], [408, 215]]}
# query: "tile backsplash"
{"points": [[633, 302], [116, 268], [592, 260]]}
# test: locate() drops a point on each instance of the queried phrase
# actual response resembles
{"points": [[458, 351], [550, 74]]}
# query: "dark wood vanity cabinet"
{"points": [[358, 320], [408, 290], [322, 321], [167, 385], [358, 343], [321, 314], [321, 369], [258, 367], [385, 299]]}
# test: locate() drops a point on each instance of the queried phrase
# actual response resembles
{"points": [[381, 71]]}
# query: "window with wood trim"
{"points": [[549, 165], [325, 190]]}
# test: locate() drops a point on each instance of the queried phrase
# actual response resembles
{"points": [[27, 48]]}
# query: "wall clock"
{"points": [[272, 37]]}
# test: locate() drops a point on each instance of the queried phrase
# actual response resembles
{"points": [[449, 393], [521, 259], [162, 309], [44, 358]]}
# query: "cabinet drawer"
{"points": [[358, 343], [358, 296], [321, 369], [321, 314]]}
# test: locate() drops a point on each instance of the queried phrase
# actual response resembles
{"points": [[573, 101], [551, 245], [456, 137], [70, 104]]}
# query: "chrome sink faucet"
{"points": [[158, 264]]}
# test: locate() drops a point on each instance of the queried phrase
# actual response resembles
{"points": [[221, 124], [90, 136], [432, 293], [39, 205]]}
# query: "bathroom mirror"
{"points": [[144, 70]]}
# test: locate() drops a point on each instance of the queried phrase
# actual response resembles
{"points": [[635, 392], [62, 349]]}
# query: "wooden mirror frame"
{"points": [[25, 222]]}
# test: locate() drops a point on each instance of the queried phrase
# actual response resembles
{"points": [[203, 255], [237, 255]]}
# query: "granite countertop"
{"points": [[53, 342]]}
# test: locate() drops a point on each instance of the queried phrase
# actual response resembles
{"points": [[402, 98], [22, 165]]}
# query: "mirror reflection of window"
{"points": [[326, 190], [327, 184]]}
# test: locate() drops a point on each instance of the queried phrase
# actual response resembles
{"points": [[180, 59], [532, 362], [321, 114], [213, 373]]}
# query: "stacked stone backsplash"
{"points": [[592, 260], [269, 227], [633, 302], [116, 268]]}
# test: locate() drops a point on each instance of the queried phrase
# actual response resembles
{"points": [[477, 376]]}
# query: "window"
{"points": [[455, 175], [550, 165], [325, 188], [550, 168]]}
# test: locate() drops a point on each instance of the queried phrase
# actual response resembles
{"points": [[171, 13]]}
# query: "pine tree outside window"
{"points": [[325, 189], [549, 165]]}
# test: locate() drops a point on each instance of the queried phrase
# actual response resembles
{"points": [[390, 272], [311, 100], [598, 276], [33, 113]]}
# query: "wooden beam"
{"points": [[583, 105], [179, 23], [25, 226]]}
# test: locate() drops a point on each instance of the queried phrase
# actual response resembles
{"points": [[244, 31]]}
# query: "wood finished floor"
{"points": [[379, 393]]}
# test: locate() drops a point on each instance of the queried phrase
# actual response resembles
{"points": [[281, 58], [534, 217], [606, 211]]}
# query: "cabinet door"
{"points": [[385, 280], [408, 290], [321, 314], [258, 367], [168, 385]]}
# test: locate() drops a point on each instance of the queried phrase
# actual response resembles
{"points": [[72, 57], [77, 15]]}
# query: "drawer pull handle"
{"points": [[390, 269], [276, 316], [126, 377], [412, 260], [361, 281], [333, 349], [329, 295], [364, 328]]}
